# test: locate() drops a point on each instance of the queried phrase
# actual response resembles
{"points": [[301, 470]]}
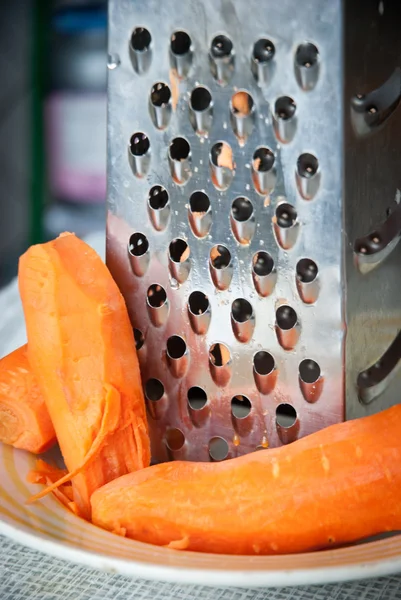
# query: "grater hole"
{"points": [[307, 165], [199, 203], [309, 371], [201, 110], [264, 274], [221, 47], [197, 398], [218, 449], [139, 144], [286, 215], [219, 355], [175, 439], [241, 104], [262, 264], [176, 347], [263, 160], [306, 55], [242, 115], [286, 415], [222, 165], [160, 94], [263, 171], [179, 250], [139, 338], [220, 266], [140, 39], [138, 244], [241, 209], [158, 197], [263, 363], [307, 270], [284, 108], [286, 317], [138, 254], [180, 43], [240, 407], [201, 99], [242, 320], [221, 155], [263, 50], [241, 310], [154, 390], [198, 303], [157, 296], [179, 149], [220, 256], [221, 59]]}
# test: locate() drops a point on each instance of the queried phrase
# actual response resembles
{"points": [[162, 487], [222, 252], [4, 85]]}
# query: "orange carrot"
{"points": [[82, 351], [47, 475], [335, 486], [24, 420]]}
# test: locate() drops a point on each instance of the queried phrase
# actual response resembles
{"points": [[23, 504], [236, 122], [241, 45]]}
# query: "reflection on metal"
{"points": [[372, 249], [307, 65], [372, 110], [373, 381]]}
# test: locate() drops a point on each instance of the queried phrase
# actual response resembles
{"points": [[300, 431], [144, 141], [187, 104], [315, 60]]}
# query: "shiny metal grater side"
{"points": [[254, 214]]}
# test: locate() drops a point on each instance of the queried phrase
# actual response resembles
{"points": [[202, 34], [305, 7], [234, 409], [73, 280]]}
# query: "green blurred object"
{"points": [[40, 22]]}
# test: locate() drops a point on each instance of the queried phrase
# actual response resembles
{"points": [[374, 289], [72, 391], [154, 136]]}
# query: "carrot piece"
{"points": [[24, 420], [335, 486], [81, 348], [47, 475]]}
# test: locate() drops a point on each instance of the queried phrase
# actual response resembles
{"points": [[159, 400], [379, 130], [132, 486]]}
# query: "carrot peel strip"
{"points": [[109, 424], [47, 474], [181, 544]]}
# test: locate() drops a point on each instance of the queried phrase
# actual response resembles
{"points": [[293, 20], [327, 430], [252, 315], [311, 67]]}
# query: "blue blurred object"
{"points": [[80, 20]]}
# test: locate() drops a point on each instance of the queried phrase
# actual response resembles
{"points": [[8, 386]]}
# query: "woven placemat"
{"points": [[26, 574]]}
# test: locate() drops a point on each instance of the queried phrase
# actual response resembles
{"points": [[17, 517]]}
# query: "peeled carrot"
{"points": [[24, 420], [335, 486], [82, 351]]}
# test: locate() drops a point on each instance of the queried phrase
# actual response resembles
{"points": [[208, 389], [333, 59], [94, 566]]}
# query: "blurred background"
{"points": [[52, 122]]}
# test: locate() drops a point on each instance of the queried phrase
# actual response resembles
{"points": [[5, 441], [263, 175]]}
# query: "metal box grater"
{"points": [[254, 212]]}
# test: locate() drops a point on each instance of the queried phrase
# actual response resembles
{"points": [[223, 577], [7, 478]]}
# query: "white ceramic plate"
{"points": [[49, 527]]}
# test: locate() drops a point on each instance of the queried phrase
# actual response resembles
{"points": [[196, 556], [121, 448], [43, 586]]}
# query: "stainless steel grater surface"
{"points": [[254, 214]]}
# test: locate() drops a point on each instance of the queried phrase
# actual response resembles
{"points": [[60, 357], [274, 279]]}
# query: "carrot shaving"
{"points": [[47, 474], [109, 424], [179, 544]]}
